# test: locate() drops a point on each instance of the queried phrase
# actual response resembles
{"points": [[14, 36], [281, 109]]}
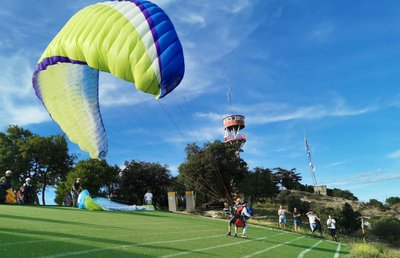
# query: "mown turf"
{"points": [[28, 231]]}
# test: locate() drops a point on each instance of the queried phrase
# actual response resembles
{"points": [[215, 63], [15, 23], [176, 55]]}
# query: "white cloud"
{"points": [[334, 164], [20, 105], [270, 112], [360, 179], [194, 19], [235, 6], [394, 155], [321, 31], [117, 94], [200, 134]]}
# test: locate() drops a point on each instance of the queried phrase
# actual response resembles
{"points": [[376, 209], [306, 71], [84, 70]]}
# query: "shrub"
{"points": [[392, 201], [283, 196], [346, 194], [294, 201], [348, 220], [375, 203], [386, 228], [365, 251]]}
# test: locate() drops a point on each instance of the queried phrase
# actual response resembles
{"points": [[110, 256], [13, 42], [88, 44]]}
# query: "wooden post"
{"points": [[190, 201], [362, 227], [172, 201]]}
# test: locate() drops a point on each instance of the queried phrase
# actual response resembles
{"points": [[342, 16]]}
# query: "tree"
{"points": [[138, 177], [97, 176], [387, 228], [392, 201], [288, 179], [44, 159], [259, 184], [48, 158], [348, 220], [375, 203], [10, 155], [214, 171], [346, 194]]}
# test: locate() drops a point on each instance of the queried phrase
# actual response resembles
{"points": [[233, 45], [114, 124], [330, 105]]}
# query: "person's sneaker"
{"points": [[244, 236], [228, 234], [235, 234]]}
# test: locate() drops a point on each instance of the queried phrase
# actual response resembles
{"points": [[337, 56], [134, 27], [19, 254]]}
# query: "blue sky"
{"points": [[327, 68]]}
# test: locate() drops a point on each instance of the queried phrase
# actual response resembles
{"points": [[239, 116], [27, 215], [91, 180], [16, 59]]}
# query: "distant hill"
{"points": [[338, 202]]}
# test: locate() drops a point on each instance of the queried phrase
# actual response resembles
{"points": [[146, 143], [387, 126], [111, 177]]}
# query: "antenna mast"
{"points": [[312, 168]]}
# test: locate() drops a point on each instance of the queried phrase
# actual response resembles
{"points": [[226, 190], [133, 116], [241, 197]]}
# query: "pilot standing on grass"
{"points": [[148, 198], [244, 216], [76, 189]]}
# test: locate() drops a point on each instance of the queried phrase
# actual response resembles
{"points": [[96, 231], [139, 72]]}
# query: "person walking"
{"points": [[318, 224], [312, 220], [331, 223]]}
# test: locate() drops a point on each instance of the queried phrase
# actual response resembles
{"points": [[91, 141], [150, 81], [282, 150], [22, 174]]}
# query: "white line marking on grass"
{"points": [[309, 249], [219, 246], [271, 247], [337, 251], [127, 246]]}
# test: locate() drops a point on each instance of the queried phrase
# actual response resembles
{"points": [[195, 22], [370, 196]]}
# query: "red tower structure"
{"points": [[233, 125]]}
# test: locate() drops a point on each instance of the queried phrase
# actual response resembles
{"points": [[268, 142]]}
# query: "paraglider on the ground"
{"points": [[101, 203], [133, 40]]}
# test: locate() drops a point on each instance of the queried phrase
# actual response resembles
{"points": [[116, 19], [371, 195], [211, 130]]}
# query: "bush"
{"points": [[375, 203], [365, 251], [392, 201], [346, 194], [283, 196], [386, 228], [348, 220], [295, 202], [292, 201]]}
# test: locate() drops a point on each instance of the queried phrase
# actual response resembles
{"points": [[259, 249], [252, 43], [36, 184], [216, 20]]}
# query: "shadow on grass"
{"points": [[138, 212], [39, 244], [57, 221]]}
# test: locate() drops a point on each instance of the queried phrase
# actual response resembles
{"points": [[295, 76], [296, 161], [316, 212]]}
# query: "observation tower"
{"points": [[233, 125]]}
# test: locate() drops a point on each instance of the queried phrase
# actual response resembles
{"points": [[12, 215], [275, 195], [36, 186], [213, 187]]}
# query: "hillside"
{"points": [[337, 203]]}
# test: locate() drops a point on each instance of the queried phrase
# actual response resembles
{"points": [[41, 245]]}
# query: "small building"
{"points": [[321, 190]]}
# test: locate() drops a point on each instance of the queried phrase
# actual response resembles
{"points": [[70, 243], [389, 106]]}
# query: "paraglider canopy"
{"points": [[133, 40]]}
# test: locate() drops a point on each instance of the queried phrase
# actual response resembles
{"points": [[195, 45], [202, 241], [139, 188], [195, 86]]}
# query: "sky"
{"points": [[327, 69]]}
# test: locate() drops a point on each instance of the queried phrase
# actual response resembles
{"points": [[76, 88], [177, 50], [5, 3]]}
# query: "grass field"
{"points": [[29, 231]]}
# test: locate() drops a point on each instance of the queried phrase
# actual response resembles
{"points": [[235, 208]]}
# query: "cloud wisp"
{"points": [[361, 179], [20, 105], [280, 112], [394, 155]]}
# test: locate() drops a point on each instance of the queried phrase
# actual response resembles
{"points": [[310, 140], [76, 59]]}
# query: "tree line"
{"points": [[214, 171]]}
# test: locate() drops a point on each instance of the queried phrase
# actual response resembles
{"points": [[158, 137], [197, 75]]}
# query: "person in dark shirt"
{"points": [[5, 184], [296, 219], [76, 189], [29, 193]]}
